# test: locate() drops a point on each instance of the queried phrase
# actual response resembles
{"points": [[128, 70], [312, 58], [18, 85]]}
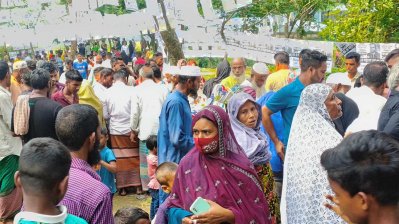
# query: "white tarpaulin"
{"points": [[255, 47], [228, 5], [370, 52]]}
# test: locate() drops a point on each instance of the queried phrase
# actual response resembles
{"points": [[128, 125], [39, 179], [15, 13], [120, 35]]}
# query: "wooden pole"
{"points": [[32, 51]]}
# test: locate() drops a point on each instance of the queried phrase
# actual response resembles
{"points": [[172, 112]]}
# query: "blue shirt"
{"points": [[82, 68], [107, 177], [59, 62], [175, 137], [286, 101], [277, 119]]}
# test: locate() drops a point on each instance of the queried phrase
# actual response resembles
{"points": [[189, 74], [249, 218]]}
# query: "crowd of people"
{"points": [[277, 146]]}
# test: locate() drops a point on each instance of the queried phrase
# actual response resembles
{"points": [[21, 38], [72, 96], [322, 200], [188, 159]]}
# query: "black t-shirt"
{"points": [[350, 112], [82, 49], [43, 112]]}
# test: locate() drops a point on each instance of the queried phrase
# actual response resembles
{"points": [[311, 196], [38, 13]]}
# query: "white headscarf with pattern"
{"points": [[305, 182]]}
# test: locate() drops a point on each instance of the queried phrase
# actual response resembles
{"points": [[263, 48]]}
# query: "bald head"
{"points": [[165, 172], [146, 72], [238, 66]]}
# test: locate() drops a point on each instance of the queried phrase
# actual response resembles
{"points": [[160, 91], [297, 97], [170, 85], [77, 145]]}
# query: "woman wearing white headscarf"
{"points": [[305, 182]]}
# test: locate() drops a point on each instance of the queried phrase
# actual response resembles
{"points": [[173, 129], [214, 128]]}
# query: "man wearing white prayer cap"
{"points": [[170, 73], [339, 82], [259, 74], [19, 69], [175, 136]]}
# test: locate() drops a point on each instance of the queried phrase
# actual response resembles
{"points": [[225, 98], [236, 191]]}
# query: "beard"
{"points": [[94, 155], [259, 90], [240, 79], [193, 92]]}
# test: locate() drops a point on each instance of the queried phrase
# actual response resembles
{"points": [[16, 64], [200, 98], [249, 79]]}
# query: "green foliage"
{"points": [[200, 9], [65, 2], [4, 51], [217, 6], [301, 11], [45, 6], [111, 9], [141, 4], [208, 62], [336, 69], [364, 21]]}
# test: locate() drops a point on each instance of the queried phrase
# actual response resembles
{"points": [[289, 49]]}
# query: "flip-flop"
{"points": [[141, 197]]}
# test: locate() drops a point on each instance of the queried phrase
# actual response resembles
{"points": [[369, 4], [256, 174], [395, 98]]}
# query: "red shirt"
{"points": [[60, 98], [140, 61]]}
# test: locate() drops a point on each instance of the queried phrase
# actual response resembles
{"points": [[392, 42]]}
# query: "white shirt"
{"points": [[100, 91], [370, 106], [106, 63], [146, 108], [117, 108], [9, 145], [40, 218], [125, 48], [62, 78]]}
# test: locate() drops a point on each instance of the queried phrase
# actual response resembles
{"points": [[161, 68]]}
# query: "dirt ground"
{"points": [[131, 200]]}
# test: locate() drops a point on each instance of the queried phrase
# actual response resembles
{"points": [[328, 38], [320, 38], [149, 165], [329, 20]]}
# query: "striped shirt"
{"points": [[86, 196]]}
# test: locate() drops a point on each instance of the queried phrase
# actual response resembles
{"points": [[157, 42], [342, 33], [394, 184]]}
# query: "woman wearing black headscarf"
{"points": [[222, 72]]}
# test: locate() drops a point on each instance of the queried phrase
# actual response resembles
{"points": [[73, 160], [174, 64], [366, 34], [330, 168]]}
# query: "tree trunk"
{"points": [[32, 51], [74, 46], [286, 27], [225, 20], [172, 44], [68, 3]]}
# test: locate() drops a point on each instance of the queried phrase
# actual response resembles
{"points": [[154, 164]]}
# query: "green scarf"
{"points": [[8, 167]]}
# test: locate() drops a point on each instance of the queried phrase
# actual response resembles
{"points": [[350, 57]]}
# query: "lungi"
{"points": [[127, 161]]}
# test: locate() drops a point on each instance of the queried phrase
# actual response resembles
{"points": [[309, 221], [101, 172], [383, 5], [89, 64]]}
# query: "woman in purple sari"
{"points": [[217, 170]]}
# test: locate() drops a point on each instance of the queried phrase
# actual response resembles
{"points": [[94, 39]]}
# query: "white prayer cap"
{"points": [[260, 68], [194, 71], [19, 65], [173, 70], [339, 78]]}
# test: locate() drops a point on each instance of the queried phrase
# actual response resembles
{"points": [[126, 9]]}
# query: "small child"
{"points": [[107, 162], [131, 215], [165, 175], [153, 185], [43, 176]]}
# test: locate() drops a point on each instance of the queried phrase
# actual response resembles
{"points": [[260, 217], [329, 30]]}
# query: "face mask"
{"points": [[207, 145]]}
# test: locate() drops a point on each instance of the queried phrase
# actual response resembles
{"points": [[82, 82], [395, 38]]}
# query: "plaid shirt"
{"points": [[86, 196]]}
